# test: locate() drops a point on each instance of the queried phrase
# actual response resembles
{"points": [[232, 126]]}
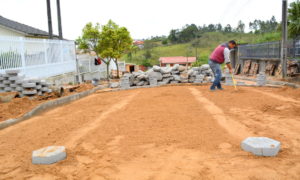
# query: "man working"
{"points": [[220, 55]]}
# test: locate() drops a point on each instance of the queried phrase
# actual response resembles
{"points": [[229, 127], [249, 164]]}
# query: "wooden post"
{"points": [[49, 19], [59, 19], [284, 39]]}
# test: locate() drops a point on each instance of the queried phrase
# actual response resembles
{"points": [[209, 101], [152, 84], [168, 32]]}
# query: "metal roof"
{"points": [[22, 27], [176, 60]]}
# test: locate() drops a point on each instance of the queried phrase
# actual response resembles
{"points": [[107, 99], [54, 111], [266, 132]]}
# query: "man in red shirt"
{"points": [[220, 55]]}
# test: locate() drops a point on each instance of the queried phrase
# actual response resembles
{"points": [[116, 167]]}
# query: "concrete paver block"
{"points": [[13, 85], [14, 78], [49, 155], [261, 146], [12, 72], [38, 87], [34, 81], [8, 89], [6, 82], [44, 89], [4, 85], [19, 89], [29, 85], [29, 92]]}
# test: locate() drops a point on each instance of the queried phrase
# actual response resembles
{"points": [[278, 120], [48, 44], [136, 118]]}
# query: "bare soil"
{"points": [[184, 133], [19, 106]]}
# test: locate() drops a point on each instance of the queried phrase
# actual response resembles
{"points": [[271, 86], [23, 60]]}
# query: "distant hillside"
{"points": [[204, 45]]}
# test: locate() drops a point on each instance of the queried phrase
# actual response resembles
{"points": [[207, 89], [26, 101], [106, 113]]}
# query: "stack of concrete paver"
{"points": [[168, 75], [11, 81], [261, 79], [228, 78]]}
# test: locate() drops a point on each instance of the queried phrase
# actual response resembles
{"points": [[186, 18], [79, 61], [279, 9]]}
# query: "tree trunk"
{"points": [[116, 62], [107, 71]]}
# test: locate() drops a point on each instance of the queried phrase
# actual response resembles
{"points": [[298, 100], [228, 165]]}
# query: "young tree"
{"points": [[228, 28], [89, 41], [241, 27], [219, 27], [114, 41], [123, 44], [294, 19]]}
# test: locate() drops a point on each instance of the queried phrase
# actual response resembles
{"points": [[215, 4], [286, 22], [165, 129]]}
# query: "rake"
{"points": [[234, 82]]}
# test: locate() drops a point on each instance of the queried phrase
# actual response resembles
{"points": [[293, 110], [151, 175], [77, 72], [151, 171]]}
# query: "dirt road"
{"points": [[166, 133]]}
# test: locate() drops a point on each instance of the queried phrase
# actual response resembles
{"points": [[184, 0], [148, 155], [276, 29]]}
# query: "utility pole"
{"points": [[49, 19], [284, 39], [59, 19]]}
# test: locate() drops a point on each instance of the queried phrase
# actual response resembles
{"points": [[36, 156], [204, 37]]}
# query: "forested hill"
{"points": [[199, 41]]}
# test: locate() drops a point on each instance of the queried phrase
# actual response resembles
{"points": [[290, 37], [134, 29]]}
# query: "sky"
{"points": [[143, 18]]}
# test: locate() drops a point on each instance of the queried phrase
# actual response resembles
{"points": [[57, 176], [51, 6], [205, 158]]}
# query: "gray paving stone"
{"points": [[34, 81], [14, 85], [261, 146], [44, 89], [8, 89], [20, 81], [12, 72], [6, 82], [4, 85], [6, 76], [29, 85], [14, 78], [1, 78], [19, 89], [29, 92], [38, 87], [49, 155]]}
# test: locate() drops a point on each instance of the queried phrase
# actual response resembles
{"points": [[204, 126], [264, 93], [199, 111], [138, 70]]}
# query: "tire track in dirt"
{"points": [[232, 127], [77, 135]]}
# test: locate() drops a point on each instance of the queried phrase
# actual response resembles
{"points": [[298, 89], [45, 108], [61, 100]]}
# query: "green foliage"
{"points": [[109, 42], [164, 42], [90, 37], [204, 45], [203, 59], [241, 27], [294, 19], [259, 26]]}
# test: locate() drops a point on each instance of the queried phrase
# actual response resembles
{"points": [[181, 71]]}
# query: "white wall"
{"points": [[7, 32]]}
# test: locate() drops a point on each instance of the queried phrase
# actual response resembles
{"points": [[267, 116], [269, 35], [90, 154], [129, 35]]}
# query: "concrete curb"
{"points": [[48, 105], [278, 83], [179, 84]]}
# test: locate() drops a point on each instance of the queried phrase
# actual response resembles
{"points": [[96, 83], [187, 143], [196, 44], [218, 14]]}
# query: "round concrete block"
{"points": [[261, 146], [49, 155]]}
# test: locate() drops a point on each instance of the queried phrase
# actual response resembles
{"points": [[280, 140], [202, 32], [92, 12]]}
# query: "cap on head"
{"points": [[232, 44]]}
